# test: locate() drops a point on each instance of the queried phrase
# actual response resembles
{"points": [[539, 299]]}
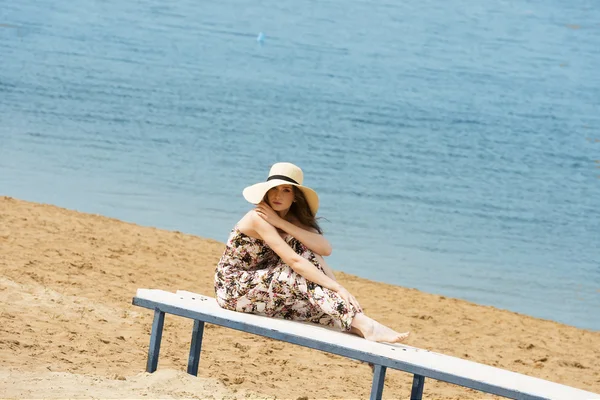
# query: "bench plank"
{"points": [[406, 358]]}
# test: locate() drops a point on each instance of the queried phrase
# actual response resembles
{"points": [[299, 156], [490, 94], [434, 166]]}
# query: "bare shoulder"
{"points": [[249, 223]]}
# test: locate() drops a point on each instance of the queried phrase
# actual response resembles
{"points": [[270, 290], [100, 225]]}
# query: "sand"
{"points": [[68, 329]]}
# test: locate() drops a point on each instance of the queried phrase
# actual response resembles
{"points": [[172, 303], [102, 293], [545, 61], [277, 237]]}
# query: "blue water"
{"points": [[453, 144]]}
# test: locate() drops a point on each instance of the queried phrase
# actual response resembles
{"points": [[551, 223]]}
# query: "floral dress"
{"points": [[250, 277]]}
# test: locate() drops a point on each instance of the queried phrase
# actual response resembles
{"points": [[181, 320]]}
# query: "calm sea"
{"points": [[454, 144]]}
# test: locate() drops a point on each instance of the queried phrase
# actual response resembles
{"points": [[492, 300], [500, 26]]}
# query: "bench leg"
{"points": [[155, 338], [417, 387], [378, 380], [196, 346]]}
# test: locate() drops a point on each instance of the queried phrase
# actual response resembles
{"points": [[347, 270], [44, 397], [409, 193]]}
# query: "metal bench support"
{"points": [[155, 338], [417, 387], [196, 346], [378, 381]]}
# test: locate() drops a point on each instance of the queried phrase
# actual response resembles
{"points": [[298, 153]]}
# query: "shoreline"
{"points": [[68, 279], [213, 239]]}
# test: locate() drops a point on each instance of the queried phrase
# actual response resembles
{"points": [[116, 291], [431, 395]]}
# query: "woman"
{"points": [[273, 264]]}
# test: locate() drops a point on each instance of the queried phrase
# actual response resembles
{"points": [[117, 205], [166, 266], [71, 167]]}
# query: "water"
{"points": [[453, 144]]}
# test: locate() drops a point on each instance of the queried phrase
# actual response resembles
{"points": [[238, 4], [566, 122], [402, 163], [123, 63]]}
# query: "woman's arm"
{"points": [[299, 264], [313, 240], [328, 270]]}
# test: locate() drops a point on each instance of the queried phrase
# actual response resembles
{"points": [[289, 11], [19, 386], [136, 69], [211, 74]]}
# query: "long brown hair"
{"points": [[301, 210]]}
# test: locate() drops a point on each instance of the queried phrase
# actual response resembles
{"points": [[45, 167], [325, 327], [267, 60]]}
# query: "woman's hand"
{"points": [[348, 298], [269, 215]]}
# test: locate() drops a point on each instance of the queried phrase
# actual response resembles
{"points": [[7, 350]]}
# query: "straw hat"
{"points": [[282, 174]]}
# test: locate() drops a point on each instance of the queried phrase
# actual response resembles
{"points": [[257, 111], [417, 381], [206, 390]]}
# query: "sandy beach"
{"points": [[68, 328]]}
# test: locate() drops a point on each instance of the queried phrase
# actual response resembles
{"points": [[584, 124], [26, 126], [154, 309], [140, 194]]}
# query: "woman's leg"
{"points": [[294, 297], [374, 331], [360, 325], [328, 271]]}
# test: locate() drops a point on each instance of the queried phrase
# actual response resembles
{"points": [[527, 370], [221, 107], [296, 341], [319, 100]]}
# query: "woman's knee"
{"points": [[305, 252], [300, 248]]}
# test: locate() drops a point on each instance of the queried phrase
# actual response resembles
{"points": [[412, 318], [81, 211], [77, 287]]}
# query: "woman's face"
{"points": [[281, 197]]}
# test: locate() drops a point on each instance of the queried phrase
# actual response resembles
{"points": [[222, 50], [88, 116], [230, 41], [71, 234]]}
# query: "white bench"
{"points": [[421, 363]]}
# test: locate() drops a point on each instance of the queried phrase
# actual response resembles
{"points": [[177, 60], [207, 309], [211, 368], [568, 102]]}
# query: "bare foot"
{"points": [[381, 333]]}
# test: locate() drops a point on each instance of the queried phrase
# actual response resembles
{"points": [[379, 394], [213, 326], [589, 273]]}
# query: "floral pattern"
{"points": [[250, 277]]}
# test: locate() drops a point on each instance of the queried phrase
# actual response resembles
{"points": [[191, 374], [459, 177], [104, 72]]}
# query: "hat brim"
{"points": [[255, 193]]}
